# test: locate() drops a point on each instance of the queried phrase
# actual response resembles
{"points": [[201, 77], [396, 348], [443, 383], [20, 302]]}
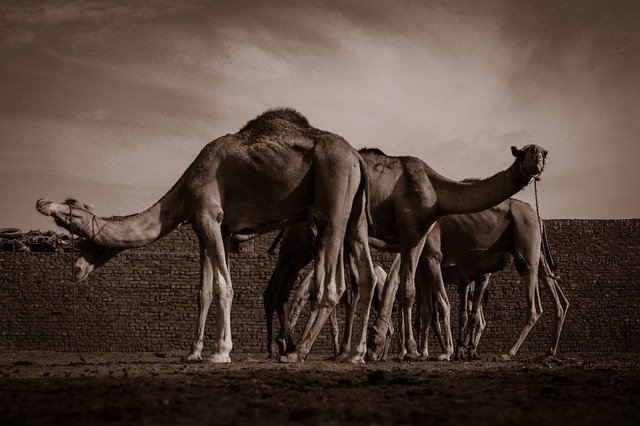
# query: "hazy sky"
{"points": [[110, 101]]}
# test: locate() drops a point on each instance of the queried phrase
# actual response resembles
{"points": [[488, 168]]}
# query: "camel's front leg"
{"points": [[216, 242], [382, 324], [205, 294]]}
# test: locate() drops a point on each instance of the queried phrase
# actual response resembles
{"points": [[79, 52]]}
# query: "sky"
{"points": [[109, 102]]}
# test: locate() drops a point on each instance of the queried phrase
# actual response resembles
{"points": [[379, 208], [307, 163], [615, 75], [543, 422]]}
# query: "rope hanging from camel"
{"points": [[536, 179], [74, 303]]}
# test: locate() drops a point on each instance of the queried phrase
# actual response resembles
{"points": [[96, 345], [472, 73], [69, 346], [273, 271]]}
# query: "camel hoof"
{"points": [[219, 359], [291, 358], [338, 357], [354, 359], [411, 356], [444, 357], [375, 355], [504, 357], [193, 358]]}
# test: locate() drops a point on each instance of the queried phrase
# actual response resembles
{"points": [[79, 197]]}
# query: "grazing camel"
{"points": [[406, 198], [275, 170], [467, 248]]}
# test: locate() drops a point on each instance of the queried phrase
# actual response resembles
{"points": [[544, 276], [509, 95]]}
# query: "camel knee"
{"points": [[534, 315], [225, 292]]}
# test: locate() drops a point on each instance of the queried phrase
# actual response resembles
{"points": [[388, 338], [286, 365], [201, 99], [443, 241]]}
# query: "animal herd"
{"points": [[332, 204]]}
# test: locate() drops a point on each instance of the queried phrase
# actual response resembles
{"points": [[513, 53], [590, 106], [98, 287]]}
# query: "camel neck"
{"points": [[456, 197], [142, 228]]}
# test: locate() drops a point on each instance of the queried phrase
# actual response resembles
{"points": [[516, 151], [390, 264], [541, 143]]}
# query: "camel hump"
{"points": [[275, 119], [371, 151]]}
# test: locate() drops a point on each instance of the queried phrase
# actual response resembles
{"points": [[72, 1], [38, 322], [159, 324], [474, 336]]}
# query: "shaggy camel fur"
{"points": [[275, 170], [406, 198]]}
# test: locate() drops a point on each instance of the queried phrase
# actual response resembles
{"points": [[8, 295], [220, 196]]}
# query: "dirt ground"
{"points": [[145, 388]]}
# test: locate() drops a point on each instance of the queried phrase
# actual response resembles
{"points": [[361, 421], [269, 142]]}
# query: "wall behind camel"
{"points": [[145, 299]]}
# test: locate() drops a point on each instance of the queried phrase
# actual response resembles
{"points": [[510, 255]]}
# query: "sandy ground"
{"points": [[146, 388]]}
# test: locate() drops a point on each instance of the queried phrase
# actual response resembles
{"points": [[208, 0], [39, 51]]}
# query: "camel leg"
{"points": [[364, 279], [335, 333], [205, 295], [530, 276], [477, 332], [477, 322], [350, 297], [464, 287], [408, 264], [307, 287], [434, 274], [215, 271], [424, 312], [382, 324], [294, 254], [561, 304]]}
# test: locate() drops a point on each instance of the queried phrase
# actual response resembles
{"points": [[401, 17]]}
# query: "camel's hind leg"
{"points": [[295, 253], [331, 211], [561, 303], [434, 273], [476, 321], [363, 278], [530, 275]]}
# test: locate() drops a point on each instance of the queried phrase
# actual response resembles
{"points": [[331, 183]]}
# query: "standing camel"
{"points": [[276, 169], [406, 198], [467, 248]]}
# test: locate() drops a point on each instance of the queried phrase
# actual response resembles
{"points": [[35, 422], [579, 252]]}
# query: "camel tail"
{"points": [[276, 241], [366, 186]]}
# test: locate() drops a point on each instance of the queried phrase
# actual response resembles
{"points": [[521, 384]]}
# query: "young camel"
{"points": [[275, 170], [406, 198], [467, 248]]}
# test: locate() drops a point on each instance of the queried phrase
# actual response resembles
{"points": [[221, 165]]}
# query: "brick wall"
{"points": [[145, 299]]}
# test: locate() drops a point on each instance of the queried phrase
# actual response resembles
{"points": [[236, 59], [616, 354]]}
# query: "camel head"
{"points": [[72, 215], [531, 158], [79, 219]]}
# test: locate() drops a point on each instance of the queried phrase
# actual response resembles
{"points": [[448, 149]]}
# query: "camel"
{"points": [[308, 288], [406, 198], [468, 248], [277, 169]]}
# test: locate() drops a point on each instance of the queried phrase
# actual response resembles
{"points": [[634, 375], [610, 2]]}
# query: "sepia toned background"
{"points": [[109, 102]]}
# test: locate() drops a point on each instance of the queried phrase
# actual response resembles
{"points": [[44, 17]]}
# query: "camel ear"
{"points": [[515, 152]]}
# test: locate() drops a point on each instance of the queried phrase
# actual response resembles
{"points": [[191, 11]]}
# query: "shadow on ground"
{"points": [[44, 388]]}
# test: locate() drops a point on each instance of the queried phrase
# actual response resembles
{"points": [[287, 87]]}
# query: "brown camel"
{"points": [[467, 248], [276, 169], [406, 198]]}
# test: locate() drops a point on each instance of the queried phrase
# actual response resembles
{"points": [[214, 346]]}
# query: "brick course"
{"points": [[145, 299]]}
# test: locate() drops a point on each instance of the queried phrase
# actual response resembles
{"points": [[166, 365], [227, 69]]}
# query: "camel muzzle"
{"points": [[44, 207]]}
